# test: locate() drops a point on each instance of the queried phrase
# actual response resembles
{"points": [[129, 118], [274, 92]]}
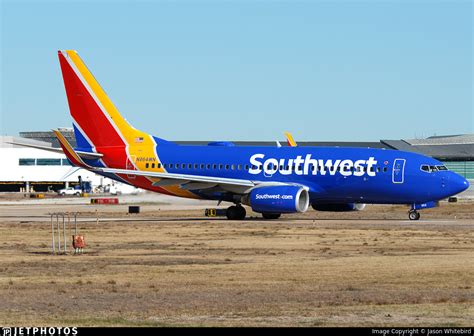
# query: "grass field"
{"points": [[370, 268]]}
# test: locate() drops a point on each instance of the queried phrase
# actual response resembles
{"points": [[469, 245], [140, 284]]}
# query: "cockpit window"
{"points": [[425, 168], [430, 169]]}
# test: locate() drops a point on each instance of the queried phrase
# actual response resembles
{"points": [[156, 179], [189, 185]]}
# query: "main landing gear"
{"points": [[267, 215], [413, 215], [236, 212]]}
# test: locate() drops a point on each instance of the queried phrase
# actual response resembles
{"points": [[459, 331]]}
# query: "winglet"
{"points": [[289, 139], [75, 159]]}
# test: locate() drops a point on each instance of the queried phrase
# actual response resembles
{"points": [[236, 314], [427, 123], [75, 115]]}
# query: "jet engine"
{"points": [[278, 199]]}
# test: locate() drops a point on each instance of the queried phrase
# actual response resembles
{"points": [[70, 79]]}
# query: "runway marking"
{"points": [[430, 221]]}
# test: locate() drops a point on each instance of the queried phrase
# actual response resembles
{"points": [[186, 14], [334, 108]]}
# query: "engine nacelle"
{"points": [[338, 207], [278, 199]]}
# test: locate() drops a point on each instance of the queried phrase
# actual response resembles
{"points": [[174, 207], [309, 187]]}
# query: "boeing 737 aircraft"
{"points": [[270, 180]]}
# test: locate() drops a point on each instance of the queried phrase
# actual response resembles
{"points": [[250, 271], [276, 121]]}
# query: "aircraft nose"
{"points": [[457, 184]]}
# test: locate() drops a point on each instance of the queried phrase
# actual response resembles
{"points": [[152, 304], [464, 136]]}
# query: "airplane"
{"points": [[270, 180]]}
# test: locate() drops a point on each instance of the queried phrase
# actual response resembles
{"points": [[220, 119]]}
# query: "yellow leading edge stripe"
{"points": [[69, 148]]}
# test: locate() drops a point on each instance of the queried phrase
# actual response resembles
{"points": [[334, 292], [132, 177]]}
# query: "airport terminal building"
{"points": [[39, 170], [36, 170]]}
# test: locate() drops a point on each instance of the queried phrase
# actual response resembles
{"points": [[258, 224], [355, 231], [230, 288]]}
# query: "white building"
{"points": [[23, 168]]}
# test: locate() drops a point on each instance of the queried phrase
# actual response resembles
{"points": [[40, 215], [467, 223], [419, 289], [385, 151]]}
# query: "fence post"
{"points": [[52, 234]]}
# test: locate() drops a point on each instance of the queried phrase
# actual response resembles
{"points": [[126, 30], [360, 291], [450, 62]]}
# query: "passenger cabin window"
{"points": [[27, 162], [48, 162], [159, 165], [146, 165]]}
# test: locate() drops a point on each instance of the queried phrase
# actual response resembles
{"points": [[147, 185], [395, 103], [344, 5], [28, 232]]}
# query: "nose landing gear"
{"points": [[413, 215]]}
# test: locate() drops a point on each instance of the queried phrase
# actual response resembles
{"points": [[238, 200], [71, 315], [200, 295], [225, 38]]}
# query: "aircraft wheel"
{"points": [[236, 212], [267, 215], [414, 215], [242, 212]]}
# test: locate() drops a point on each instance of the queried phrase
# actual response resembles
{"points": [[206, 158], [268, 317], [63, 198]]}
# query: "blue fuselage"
{"points": [[361, 175]]}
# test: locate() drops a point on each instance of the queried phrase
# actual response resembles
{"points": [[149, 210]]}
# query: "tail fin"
{"points": [[97, 122]]}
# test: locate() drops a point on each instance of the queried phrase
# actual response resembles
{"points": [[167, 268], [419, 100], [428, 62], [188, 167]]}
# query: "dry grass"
{"points": [[212, 272]]}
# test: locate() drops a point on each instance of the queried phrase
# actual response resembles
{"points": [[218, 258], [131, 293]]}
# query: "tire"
{"points": [[236, 213], [78, 194], [267, 215], [62, 194], [414, 215], [242, 212], [232, 213]]}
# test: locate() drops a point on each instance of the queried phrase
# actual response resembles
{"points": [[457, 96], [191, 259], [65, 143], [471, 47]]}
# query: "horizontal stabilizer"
{"points": [[72, 156], [84, 155]]}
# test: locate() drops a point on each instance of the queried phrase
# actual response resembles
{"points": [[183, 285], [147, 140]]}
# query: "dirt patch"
{"points": [[368, 268]]}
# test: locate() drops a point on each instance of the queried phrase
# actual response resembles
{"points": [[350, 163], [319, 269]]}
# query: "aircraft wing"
{"points": [[183, 179], [289, 139], [193, 182]]}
